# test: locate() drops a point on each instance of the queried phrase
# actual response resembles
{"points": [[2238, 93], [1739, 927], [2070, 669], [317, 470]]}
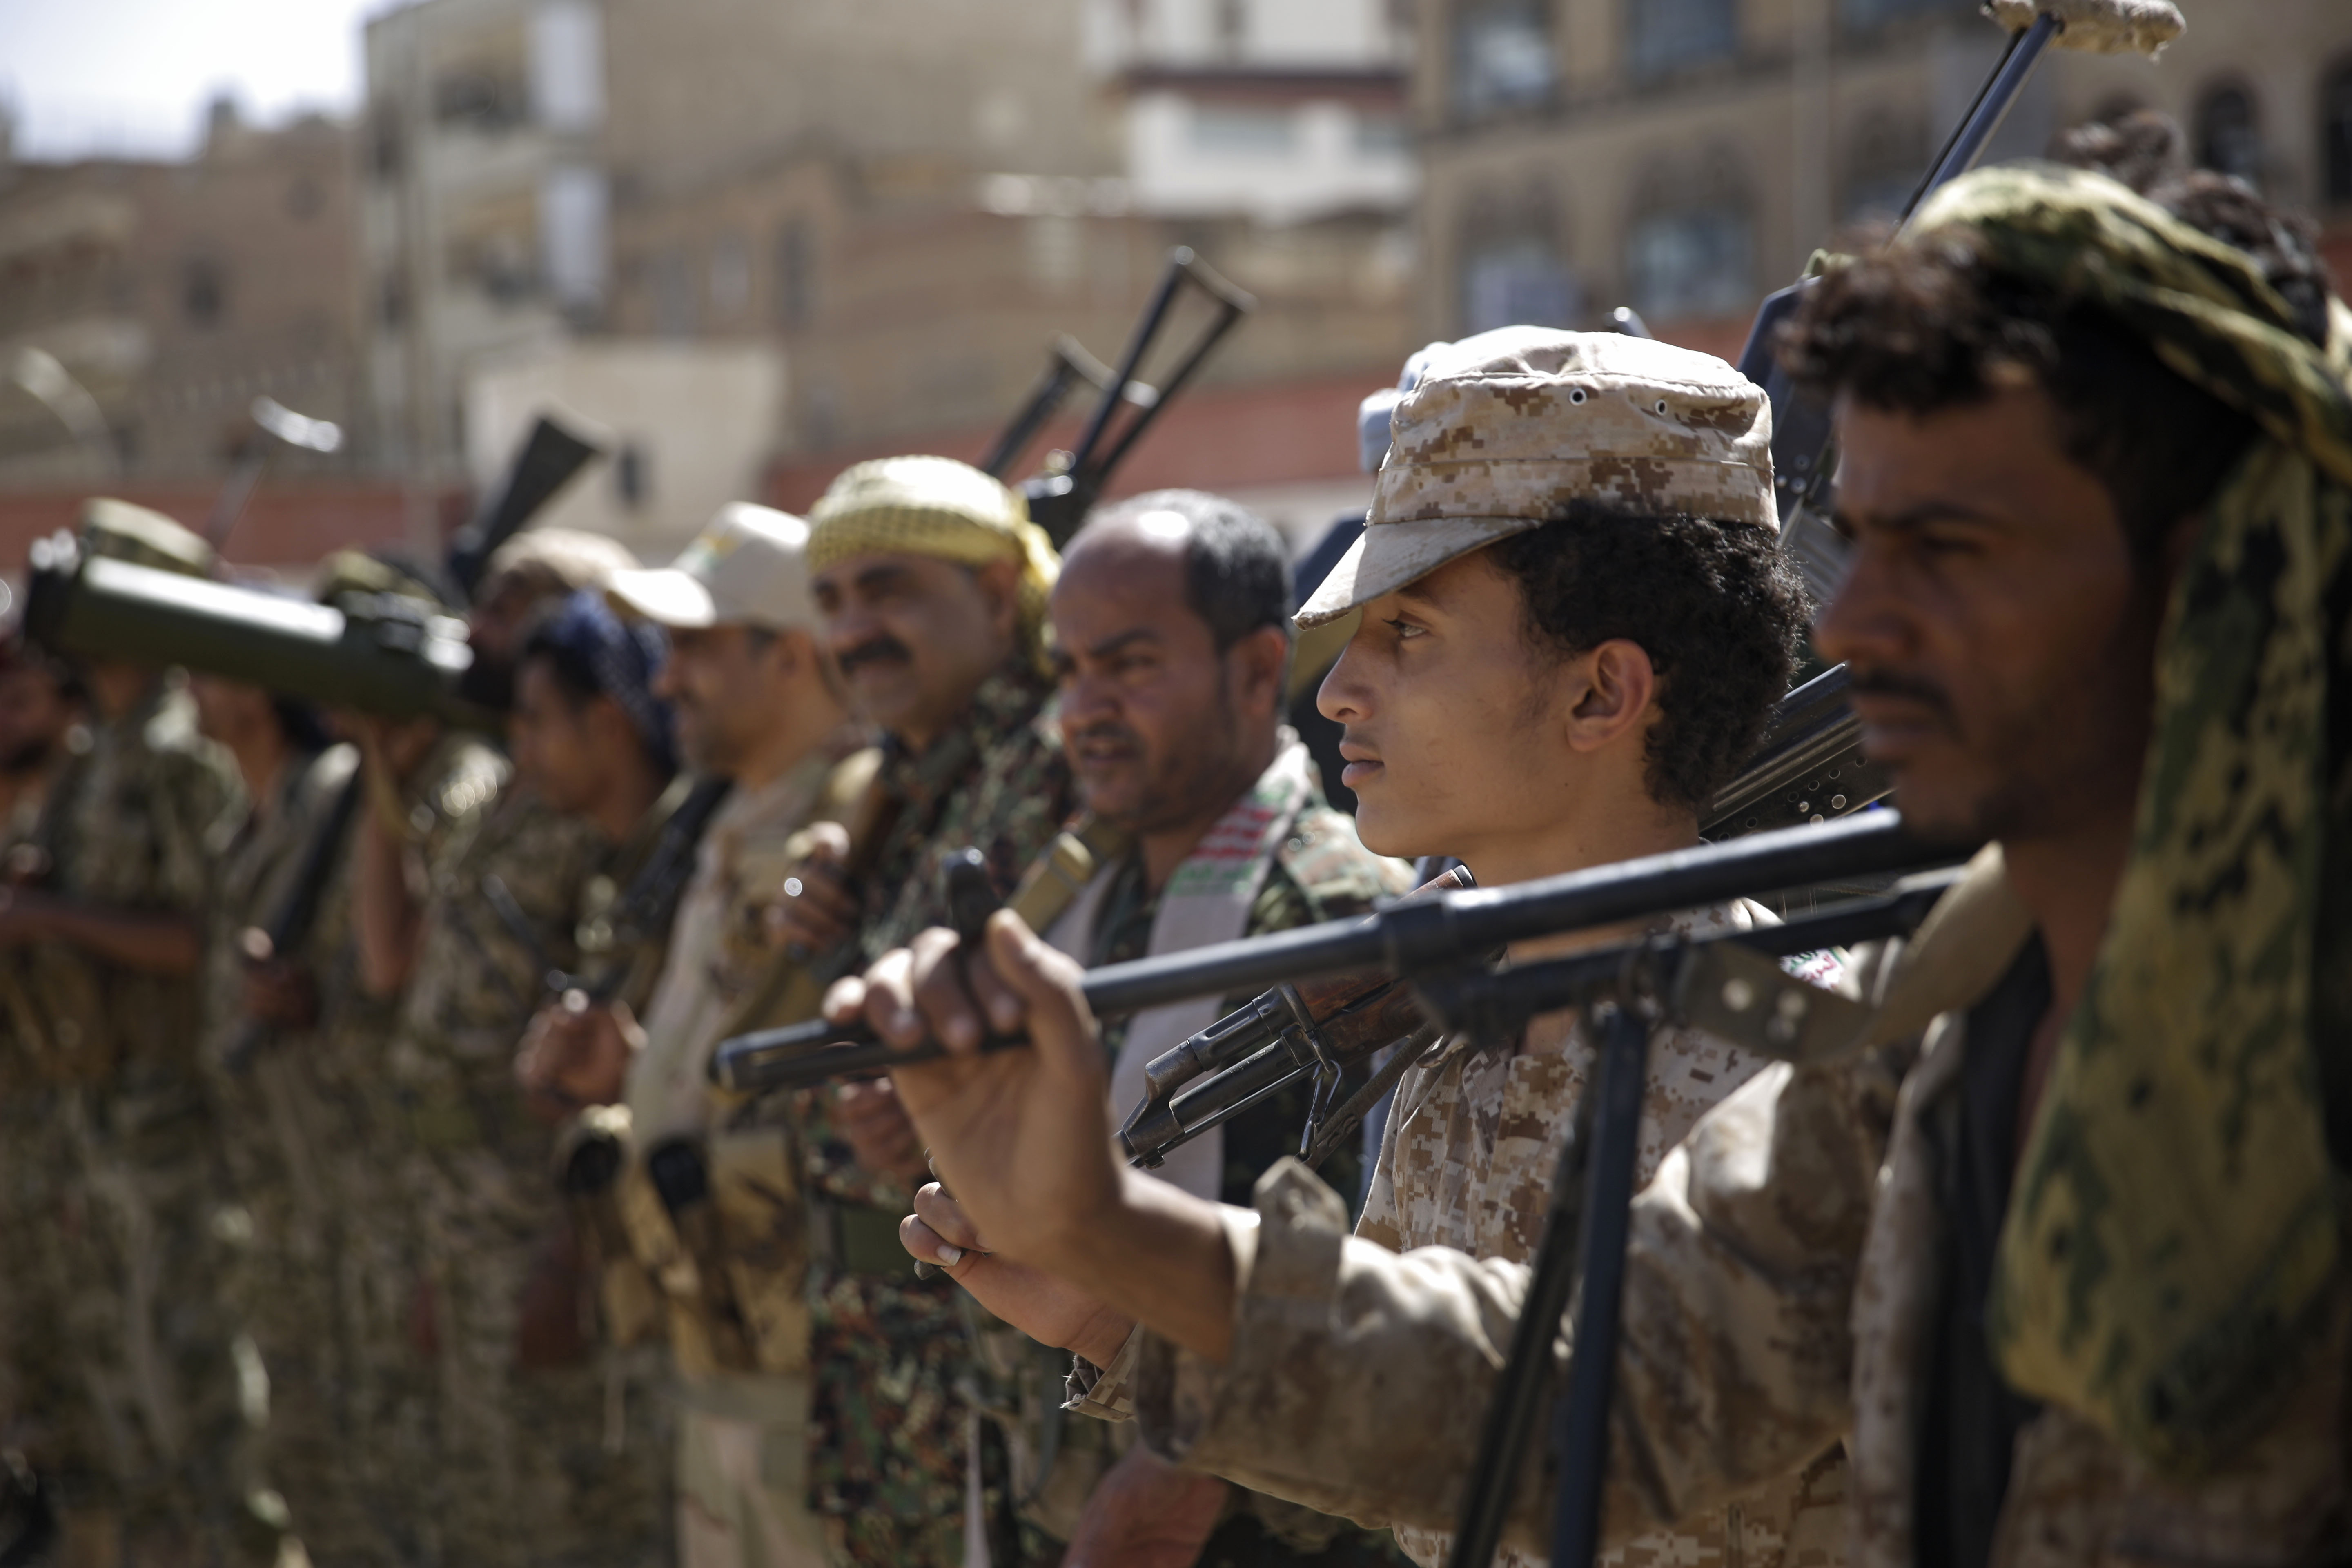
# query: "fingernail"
{"points": [[951, 1256]]}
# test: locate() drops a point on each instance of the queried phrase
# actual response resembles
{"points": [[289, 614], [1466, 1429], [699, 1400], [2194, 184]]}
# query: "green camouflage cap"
{"points": [[1504, 429], [122, 532]]}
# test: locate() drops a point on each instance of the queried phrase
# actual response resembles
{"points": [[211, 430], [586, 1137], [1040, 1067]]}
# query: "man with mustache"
{"points": [[2058, 1248], [1574, 622], [757, 704], [932, 585], [1172, 645]]}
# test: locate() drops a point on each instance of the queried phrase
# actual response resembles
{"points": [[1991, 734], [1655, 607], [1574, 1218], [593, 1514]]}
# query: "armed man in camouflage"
{"points": [[423, 781], [1566, 644], [2058, 1245], [932, 582], [277, 1132], [468, 977], [545, 1442], [114, 1141], [757, 702], [1171, 641]]}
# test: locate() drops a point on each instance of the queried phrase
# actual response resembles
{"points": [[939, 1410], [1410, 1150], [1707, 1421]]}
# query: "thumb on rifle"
{"points": [[1040, 987]]}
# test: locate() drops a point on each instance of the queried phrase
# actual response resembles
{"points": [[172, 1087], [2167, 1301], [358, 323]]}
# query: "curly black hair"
{"points": [[1922, 328], [1715, 605]]}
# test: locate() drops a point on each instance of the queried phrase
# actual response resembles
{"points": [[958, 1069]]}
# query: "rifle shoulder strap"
{"points": [[1055, 879]]}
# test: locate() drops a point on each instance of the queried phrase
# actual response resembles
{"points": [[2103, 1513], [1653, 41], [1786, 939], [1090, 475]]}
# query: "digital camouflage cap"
{"points": [[1506, 428]]}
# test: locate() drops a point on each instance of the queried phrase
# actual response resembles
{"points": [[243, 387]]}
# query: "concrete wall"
{"points": [[687, 429]]}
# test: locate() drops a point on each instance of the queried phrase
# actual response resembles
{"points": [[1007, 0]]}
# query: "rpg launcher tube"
{"points": [[378, 653]]}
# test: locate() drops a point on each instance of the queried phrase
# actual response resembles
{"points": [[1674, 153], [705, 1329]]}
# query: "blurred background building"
{"points": [[747, 242]]}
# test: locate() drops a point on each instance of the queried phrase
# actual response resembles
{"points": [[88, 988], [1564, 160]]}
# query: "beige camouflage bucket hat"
{"points": [[1504, 429]]}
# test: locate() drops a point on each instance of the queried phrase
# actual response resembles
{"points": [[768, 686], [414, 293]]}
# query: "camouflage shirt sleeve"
{"points": [[1359, 1379]]}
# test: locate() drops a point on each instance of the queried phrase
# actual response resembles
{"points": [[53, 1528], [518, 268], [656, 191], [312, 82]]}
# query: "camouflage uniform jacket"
{"points": [[718, 949], [276, 1157], [134, 820], [887, 1351], [1321, 872], [1467, 1163], [1781, 1289], [997, 782], [543, 1442]]}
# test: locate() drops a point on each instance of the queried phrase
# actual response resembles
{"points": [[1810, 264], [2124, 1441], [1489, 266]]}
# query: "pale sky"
{"points": [[133, 76]]}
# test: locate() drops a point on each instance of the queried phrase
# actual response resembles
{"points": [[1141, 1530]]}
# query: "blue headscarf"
{"points": [[620, 657]]}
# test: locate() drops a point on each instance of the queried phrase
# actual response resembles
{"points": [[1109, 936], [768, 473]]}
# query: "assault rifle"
{"points": [[1059, 501], [1411, 941]]}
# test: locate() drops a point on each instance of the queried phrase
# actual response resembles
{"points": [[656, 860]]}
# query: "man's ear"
{"points": [[1616, 689], [1258, 665]]}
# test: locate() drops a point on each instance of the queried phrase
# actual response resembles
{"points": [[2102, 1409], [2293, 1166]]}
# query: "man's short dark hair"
{"points": [[1715, 605], [1236, 567], [1920, 328]]}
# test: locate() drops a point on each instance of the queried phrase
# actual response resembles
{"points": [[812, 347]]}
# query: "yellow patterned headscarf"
{"points": [[940, 507], [2174, 1235]]}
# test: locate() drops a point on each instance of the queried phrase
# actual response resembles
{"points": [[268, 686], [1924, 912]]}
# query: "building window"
{"points": [[1233, 27], [633, 476], [204, 292], [1241, 131], [673, 295], [1667, 36], [2335, 133], [484, 101], [1381, 135], [2228, 138], [796, 273], [1694, 261], [1501, 55], [1515, 282], [730, 278]]}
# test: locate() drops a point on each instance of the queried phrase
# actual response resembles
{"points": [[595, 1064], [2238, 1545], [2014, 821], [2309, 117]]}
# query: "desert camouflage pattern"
{"points": [[2174, 1243], [889, 1425], [742, 1466], [1467, 1163], [1506, 428], [547, 1448], [2098, 27], [1783, 1273], [280, 1142]]}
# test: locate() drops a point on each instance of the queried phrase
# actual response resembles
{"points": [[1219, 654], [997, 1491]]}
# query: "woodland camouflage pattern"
{"points": [[280, 1142], [126, 1297], [889, 1439], [2174, 1243], [389, 1453]]}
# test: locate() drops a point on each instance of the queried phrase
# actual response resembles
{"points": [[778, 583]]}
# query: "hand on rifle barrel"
{"points": [[881, 1138], [1021, 1135], [814, 911], [1022, 1138]]}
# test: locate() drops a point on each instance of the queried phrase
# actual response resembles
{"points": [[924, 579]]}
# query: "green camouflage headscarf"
{"points": [[2174, 1232]]}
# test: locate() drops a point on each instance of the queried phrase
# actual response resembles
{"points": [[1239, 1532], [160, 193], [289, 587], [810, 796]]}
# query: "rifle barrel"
{"points": [[1418, 936]]}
